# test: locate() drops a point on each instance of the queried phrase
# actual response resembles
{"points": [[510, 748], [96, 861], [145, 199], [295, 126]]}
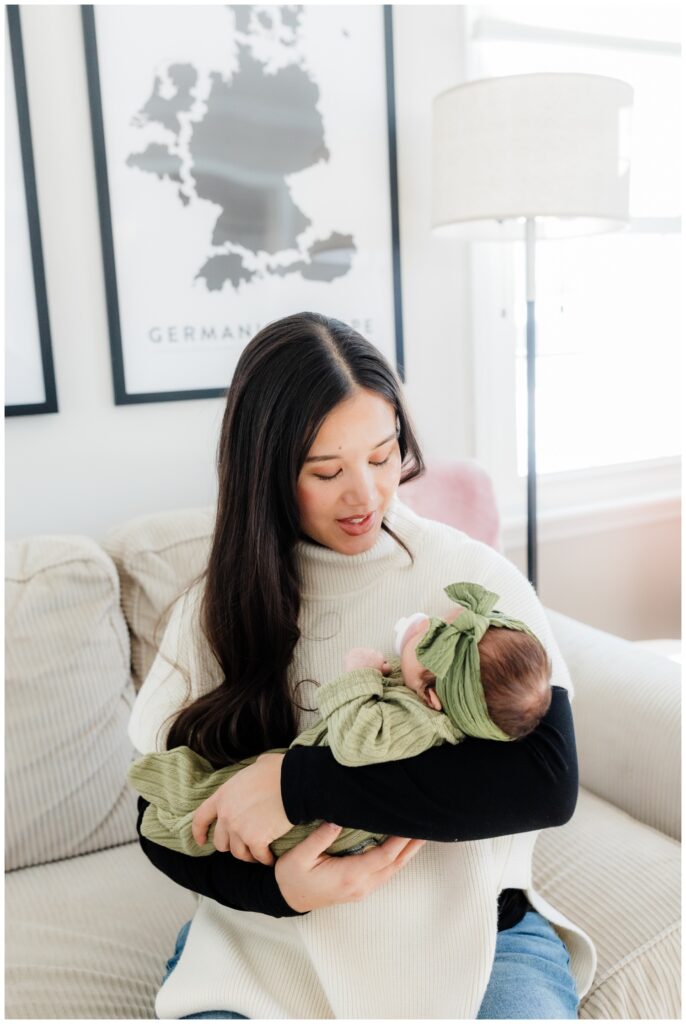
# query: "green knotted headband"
{"points": [[451, 652]]}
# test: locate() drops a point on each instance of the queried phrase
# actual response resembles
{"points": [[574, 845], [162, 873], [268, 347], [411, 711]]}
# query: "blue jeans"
{"points": [[531, 976], [530, 979]]}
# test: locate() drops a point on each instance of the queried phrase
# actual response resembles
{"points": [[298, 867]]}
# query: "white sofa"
{"points": [[89, 922]]}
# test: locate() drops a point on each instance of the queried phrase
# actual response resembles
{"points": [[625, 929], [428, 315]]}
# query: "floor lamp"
{"points": [[531, 157]]}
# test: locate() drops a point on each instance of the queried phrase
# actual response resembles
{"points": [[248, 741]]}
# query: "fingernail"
{"points": [[331, 825]]}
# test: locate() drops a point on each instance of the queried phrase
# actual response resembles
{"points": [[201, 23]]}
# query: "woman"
{"points": [[312, 554]]}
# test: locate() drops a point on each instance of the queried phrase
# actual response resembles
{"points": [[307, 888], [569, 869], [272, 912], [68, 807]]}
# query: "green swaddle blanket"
{"points": [[179, 780]]}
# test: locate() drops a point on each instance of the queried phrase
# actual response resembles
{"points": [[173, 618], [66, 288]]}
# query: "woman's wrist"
{"points": [[275, 898]]}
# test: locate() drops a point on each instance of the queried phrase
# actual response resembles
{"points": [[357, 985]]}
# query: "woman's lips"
{"points": [[354, 526]]}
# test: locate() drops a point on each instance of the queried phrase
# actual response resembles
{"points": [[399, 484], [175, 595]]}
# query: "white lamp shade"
{"points": [[553, 146]]}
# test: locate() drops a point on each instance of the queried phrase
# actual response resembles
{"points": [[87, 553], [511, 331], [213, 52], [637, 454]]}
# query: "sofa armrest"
{"points": [[627, 722]]}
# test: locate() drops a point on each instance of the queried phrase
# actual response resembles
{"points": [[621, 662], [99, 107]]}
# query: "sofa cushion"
{"points": [[68, 697], [88, 937], [627, 719], [157, 557], [619, 880]]}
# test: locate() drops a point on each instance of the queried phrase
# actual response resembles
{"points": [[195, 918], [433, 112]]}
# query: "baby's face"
{"points": [[415, 676]]}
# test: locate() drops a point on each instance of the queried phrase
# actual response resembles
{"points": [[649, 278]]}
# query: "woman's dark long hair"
{"points": [[288, 378]]}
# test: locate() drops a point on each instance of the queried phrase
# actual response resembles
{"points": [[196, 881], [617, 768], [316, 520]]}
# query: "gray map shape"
{"points": [[258, 128], [242, 14], [157, 159], [161, 110]]}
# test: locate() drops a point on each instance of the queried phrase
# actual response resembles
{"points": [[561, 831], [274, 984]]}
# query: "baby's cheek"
{"points": [[413, 682]]}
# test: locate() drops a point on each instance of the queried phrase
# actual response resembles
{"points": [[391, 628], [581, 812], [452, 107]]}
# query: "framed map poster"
{"points": [[29, 373], [246, 168]]}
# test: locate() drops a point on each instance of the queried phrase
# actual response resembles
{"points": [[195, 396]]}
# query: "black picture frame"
{"points": [[121, 395], [49, 405]]}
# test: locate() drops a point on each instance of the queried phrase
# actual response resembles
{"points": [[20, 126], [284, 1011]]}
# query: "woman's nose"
{"points": [[361, 490]]}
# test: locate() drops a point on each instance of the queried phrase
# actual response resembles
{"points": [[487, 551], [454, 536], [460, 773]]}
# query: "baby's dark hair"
{"points": [[515, 675]]}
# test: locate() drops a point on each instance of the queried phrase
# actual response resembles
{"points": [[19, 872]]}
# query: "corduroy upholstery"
{"points": [[87, 936], [68, 698]]}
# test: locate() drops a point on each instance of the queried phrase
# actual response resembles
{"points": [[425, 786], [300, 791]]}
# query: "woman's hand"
{"points": [[309, 878], [249, 812]]}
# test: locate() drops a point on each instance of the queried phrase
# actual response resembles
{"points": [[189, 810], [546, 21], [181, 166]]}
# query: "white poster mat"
{"points": [[177, 334]]}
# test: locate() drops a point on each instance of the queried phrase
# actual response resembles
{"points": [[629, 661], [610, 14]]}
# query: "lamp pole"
{"points": [[531, 542]]}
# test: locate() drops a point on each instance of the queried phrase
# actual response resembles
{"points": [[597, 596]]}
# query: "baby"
{"points": [[475, 673], [500, 654]]}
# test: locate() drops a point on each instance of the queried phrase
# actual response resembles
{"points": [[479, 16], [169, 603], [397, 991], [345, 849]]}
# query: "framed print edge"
{"points": [[104, 211], [50, 404]]}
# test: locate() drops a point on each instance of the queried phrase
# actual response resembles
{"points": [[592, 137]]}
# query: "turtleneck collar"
{"points": [[325, 573]]}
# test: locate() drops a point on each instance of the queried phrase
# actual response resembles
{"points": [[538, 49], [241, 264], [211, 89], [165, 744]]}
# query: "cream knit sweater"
{"points": [[422, 945]]}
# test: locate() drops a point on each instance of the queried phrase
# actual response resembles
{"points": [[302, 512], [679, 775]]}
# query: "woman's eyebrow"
{"points": [[324, 458]]}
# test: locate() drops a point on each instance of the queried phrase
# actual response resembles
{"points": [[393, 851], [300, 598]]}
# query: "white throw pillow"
{"points": [[68, 698], [157, 557]]}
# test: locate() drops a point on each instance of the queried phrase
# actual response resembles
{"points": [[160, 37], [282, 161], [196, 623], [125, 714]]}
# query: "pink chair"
{"points": [[457, 492]]}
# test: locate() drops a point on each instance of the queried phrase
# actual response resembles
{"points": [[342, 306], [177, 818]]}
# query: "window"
{"points": [[607, 307]]}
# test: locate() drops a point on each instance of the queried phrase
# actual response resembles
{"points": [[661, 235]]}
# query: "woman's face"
{"points": [[350, 475]]}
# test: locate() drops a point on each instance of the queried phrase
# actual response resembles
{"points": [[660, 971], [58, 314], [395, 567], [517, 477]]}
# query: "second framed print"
{"points": [[246, 168], [29, 371]]}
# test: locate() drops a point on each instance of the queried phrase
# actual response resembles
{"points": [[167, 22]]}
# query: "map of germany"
{"points": [[236, 146]]}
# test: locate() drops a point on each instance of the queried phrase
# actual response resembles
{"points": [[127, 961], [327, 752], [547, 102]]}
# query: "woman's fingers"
{"points": [[221, 838], [314, 845], [203, 816], [362, 875], [261, 855], [383, 868], [241, 852], [411, 848], [391, 851]]}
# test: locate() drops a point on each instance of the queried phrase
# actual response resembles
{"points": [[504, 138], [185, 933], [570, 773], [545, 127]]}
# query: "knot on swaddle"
{"points": [[451, 651]]}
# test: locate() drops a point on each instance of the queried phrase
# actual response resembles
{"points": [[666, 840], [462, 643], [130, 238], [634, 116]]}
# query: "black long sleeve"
{"points": [[475, 790], [231, 882]]}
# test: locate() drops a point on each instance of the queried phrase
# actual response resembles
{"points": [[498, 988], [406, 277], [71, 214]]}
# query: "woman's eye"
{"points": [[321, 476]]}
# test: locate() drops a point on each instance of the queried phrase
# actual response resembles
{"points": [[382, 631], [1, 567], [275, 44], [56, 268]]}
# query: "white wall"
{"points": [[620, 572], [94, 464]]}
